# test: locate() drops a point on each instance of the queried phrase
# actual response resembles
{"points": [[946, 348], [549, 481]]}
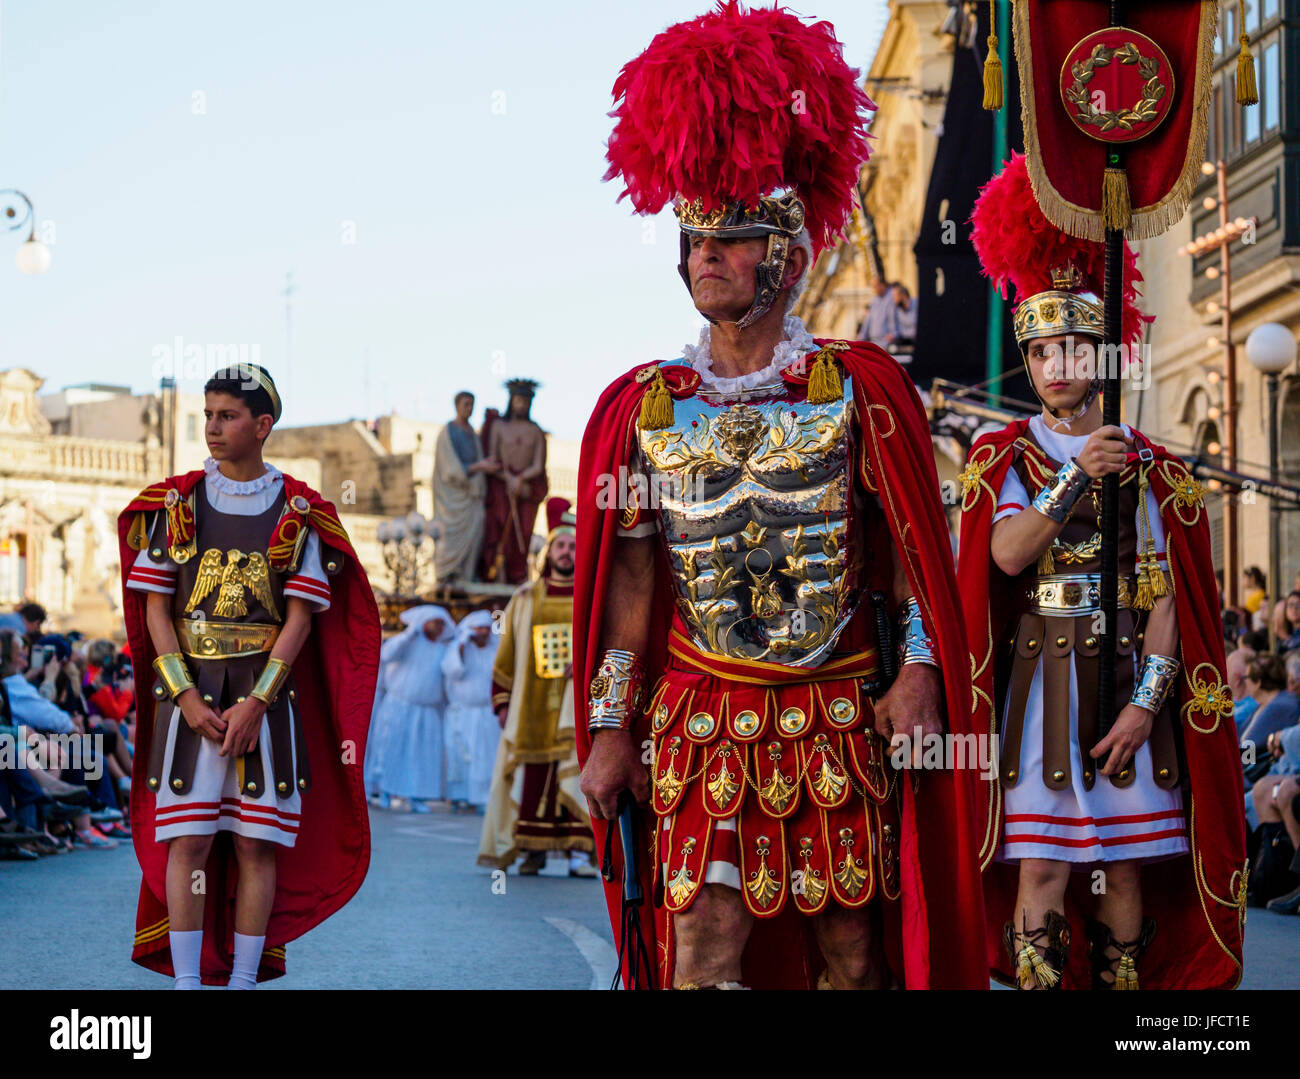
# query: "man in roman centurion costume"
{"points": [[753, 519], [238, 582], [534, 806], [1148, 797]]}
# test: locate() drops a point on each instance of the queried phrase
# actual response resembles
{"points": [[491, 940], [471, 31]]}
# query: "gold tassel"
{"points": [[1116, 205], [1247, 91], [1143, 600], [1126, 975], [993, 64], [1046, 563], [656, 405], [1032, 967], [824, 383]]}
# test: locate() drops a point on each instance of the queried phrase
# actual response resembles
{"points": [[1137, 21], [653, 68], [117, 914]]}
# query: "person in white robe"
{"points": [[410, 719], [472, 730]]}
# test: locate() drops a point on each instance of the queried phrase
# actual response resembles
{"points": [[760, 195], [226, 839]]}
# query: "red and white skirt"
{"points": [[214, 803], [780, 789]]}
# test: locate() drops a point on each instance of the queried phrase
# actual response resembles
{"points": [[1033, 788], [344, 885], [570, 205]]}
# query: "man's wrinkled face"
{"points": [[722, 273], [563, 548], [1062, 368]]}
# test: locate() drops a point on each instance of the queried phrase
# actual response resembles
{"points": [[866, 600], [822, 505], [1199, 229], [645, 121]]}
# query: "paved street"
{"points": [[425, 918]]}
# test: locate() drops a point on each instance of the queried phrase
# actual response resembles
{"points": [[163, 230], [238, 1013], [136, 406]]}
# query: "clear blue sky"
{"points": [[188, 154]]}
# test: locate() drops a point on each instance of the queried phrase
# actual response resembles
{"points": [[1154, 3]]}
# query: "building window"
{"points": [[191, 427], [1252, 16], [1269, 10], [1270, 87], [1213, 140], [1250, 116]]}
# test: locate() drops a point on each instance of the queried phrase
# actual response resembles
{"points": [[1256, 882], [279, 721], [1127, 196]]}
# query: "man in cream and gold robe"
{"points": [[535, 805]]}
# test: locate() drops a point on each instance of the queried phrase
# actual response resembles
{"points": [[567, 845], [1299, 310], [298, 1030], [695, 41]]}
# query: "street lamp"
{"points": [[1271, 348], [33, 257], [406, 555]]}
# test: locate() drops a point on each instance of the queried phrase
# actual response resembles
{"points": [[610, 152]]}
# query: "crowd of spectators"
{"points": [[1262, 639], [67, 724]]}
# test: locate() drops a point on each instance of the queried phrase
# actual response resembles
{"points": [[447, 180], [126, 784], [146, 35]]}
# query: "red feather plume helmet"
{"points": [[1048, 268], [750, 122]]}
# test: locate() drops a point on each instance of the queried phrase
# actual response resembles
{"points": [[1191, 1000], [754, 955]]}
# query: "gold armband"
{"points": [[271, 681], [173, 673]]}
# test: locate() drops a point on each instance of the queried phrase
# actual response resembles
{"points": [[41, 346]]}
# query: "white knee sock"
{"points": [[248, 957], [186, 949]]}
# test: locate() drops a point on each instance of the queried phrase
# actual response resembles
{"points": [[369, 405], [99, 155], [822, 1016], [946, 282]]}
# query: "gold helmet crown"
{"points": [[1065, 308]]}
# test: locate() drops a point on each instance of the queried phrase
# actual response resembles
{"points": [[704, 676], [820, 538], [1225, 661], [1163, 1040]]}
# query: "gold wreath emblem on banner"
{"points": [[1153, 89]]}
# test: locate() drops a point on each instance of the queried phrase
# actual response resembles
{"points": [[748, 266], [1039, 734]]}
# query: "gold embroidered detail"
{"points": [[778, 790], [1126, 975], [763, 884], [669, 782], [849, 873], [827, 782], [723, 784], [971, 476], [1190, 493], [1210, 697], [811, 885], [824, 385], [682, 883], [1078, 95], [241, 572]]}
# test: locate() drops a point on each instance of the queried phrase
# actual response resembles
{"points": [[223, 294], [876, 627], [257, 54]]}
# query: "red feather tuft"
{"points": [[737, 104], [1016, 244]]}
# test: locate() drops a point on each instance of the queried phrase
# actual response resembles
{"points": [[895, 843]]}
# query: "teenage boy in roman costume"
{"points": [[247, 806], [1150, 798]]}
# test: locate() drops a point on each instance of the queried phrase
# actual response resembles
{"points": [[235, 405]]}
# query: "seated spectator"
{"points": [[33, 616], [1271, 807], [1288, 630], [1243, 704], [1252, 589], [1267, 680], [27, 709]]}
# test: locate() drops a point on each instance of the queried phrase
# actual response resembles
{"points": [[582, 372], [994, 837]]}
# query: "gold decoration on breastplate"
{"points": [[241, 572], [756, 518]]}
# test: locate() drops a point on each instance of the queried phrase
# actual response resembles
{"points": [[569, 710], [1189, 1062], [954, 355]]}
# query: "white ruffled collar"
{"points": [[796, 342], [217, 481]]}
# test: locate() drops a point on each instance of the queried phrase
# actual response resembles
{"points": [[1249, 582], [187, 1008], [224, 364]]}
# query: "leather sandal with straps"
{"points": [[1118, 971], [1038, 956]]}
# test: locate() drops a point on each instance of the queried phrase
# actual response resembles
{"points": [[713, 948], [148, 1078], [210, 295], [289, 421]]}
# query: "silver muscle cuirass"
{"points": [[753, 500]]}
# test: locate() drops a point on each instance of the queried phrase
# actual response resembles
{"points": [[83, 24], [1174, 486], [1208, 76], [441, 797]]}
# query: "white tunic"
{"points": [[1108, 823], [409, 719], [214, 801], [472, 728]]}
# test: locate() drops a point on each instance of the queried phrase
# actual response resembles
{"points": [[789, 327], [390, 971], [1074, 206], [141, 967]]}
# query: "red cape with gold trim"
{"points": [[1066, 166], [1197, 900], [335, 678], [934, 930]]}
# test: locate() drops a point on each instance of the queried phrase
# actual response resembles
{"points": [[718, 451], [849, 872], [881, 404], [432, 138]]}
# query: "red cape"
{"points": [[1197, 900], [328, 862], [939, 919]]}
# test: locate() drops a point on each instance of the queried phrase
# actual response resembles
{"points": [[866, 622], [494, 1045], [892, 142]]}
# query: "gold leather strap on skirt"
{"points": [[224, 640], [1072, 594]]}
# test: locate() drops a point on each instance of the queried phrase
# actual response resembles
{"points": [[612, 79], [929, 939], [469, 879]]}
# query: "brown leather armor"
{"points": [[229, 582], [1065, 631]]}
